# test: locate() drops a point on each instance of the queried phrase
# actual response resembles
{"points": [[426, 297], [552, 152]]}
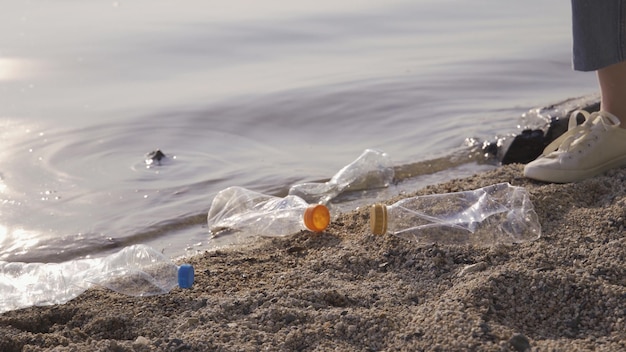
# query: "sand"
{"points": [[348, 290]]}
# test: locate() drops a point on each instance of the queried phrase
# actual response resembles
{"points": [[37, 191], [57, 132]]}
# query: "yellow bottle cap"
{"points": [[316, 217], [378, 219]]}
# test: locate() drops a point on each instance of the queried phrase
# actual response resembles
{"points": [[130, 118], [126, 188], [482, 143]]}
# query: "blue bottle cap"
{"points": [[185, 276]]}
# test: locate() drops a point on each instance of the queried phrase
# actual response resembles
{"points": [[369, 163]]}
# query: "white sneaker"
{"points": [[586, 150]]}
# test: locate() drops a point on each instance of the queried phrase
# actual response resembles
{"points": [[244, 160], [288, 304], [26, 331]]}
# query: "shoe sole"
{"points": [[567, 176]]}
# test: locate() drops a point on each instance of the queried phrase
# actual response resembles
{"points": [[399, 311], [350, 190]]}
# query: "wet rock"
{"points": [[526, 147], [530, 143]]}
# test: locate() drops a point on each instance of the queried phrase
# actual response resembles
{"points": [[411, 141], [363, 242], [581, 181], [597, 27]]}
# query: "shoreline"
{"points": [[346, 289]]}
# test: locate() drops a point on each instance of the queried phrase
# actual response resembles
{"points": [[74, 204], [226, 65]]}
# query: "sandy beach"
{"points": [[348, 290]]}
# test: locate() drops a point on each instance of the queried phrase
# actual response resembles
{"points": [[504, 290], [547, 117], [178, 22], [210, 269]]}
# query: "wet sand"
{"points": [[348, 290]]}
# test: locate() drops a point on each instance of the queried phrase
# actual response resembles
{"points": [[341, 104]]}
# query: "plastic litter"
{"points": [[248, 213], [137, 270], [372, 169], [499, 213]]}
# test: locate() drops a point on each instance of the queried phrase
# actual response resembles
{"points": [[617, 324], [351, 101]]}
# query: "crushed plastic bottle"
{"points": [[137, 270], [499, 213], [248, 213], [140, 270], [372, 169]]}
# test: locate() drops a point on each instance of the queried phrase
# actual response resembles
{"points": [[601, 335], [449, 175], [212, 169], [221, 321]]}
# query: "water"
{"points": [[255, 94]]}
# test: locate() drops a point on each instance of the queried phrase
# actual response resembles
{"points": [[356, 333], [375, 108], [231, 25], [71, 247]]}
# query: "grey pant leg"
{"points": [[599, 31]]}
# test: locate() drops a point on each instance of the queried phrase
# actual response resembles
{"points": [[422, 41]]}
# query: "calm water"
{"points": [[260, 94]]}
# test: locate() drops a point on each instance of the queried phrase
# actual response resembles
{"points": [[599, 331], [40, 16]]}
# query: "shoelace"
{"points": [[582, 131]]}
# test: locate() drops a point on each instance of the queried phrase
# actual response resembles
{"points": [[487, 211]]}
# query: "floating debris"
{"points": [[154, 157]]}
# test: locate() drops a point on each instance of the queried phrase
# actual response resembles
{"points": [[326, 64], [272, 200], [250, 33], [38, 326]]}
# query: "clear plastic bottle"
{"points": [[140, 270], [248, 213], [499, 213], [137, 270], [372, 169]]}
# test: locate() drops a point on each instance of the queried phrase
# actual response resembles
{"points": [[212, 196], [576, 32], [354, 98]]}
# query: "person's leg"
{"points": [[599, 144], [599, 33], [612, 81]]}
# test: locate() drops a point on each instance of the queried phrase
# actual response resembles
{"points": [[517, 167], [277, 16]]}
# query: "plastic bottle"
{"points": [[140, 270], [372, 169], [248, 213], [137, 270], [499, 213]]}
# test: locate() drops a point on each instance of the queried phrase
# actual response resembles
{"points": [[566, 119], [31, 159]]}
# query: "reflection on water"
{"points": [[10, 69], [16, 241]]}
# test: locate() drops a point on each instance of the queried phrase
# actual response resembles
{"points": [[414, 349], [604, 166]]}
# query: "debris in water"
{"points": [[154, 157]]}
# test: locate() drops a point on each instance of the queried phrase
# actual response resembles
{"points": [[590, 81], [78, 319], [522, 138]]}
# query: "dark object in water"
{"points": [[155, 157], [529, 144]]}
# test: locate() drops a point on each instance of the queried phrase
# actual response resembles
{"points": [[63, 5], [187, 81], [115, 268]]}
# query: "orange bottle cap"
{"points": [[316, 217], [378, 219]]}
